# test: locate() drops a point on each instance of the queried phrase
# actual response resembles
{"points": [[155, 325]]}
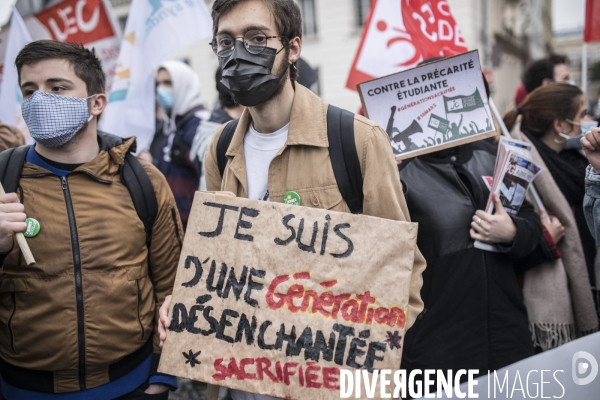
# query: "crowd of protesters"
{"points": [[88, 319]]}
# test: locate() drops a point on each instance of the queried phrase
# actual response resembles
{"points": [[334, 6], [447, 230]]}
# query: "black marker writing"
{"points": [[350, 249], [249, 212], [219, 228], [198, 273]]}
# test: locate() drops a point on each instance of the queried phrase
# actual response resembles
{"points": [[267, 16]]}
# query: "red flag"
{"points": [[90, 22], [77, 21], [591, 33], [399, 34]]}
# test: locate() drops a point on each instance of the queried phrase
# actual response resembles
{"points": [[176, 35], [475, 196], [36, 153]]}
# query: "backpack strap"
{"points": [[223, 144], [133, 175], [11, 167], [344, 157], [137, 181]]}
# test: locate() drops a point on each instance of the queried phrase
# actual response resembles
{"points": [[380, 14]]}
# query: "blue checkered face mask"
{"points": [[52, 119]]}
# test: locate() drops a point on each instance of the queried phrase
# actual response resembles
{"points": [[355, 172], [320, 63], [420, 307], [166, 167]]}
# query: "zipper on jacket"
{"points": [[12, 336], [174, 217], [78, 281], [139, 296]]}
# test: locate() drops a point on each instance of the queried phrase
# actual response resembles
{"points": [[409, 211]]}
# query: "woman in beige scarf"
{"points": [[558, 293]]}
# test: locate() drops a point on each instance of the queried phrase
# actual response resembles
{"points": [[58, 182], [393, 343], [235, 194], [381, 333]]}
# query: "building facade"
{"points": [[570, 43], [507, 33]]}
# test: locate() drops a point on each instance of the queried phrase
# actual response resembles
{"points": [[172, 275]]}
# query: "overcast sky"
{"points": [[566, 14]]}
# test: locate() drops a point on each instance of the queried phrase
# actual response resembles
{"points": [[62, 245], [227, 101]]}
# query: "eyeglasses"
{"points": [[254, 40]]}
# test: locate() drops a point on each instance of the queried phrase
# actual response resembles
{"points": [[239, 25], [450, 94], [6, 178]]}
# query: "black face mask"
{"points": [[248, 76]]}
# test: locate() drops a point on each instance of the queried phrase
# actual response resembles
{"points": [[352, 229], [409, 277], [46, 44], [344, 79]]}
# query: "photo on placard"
{"points": [[431, 107], [512, 188]]}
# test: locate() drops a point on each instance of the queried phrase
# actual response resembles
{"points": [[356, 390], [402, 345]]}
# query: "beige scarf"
{"points": [[557, 294]]}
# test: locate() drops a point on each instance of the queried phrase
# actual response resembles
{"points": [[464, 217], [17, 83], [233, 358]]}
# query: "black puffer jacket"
{"points": [[474, 316]]}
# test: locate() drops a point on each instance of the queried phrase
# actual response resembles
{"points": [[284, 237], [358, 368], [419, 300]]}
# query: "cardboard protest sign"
{"points": [[276, 299], [431, 107]]}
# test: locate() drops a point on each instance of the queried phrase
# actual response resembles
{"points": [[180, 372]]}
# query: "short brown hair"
{"points": [[86, 65], [544, 105], [286, 13]]}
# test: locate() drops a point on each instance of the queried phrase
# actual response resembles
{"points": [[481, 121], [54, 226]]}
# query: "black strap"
{"points": [[135, 177], [344, 157], [342, 152], [44, 380], [223, 144], [11, 167]]}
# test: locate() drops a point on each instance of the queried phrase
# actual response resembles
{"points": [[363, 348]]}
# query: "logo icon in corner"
{"points": [[582, 363]]}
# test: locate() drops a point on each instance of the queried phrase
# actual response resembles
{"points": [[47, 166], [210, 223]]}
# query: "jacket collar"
{"points": [[308, 123], [113, 150], [105, 165]]}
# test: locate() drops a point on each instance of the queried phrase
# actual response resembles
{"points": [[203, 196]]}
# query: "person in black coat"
{"points": [[474, 316]]}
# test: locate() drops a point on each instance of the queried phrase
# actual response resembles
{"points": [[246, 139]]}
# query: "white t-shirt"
{"points": [[259, 151]]}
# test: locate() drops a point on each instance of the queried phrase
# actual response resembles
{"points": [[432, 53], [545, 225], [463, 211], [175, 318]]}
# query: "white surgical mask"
{"points": [[562, 135], [165, 97], [585, 126], [53, 119]]}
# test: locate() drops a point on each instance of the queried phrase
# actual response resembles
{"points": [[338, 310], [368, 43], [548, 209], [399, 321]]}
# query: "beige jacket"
{"points": [[303, 165]]}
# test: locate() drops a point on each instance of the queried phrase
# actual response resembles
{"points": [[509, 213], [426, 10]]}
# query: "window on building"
{"points": [[361, 9], [309, 17]]}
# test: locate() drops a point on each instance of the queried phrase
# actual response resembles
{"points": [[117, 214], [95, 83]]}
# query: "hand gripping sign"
{"points": [[276, 299]]}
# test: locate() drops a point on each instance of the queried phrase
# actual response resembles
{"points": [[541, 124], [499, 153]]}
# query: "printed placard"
{"points": [[431, 107], [276, 299]]}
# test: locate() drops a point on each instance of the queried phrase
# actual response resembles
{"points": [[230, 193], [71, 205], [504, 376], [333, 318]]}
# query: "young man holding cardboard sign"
{"points": [[280, 149]]}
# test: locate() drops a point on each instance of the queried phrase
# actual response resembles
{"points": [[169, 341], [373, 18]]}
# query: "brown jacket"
{"points": [[303, 165], [84, 313], [10, 137]]}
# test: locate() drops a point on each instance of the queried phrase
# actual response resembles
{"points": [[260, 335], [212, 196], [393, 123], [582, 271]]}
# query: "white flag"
{"points": [[10, 93], [155, 30]]}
